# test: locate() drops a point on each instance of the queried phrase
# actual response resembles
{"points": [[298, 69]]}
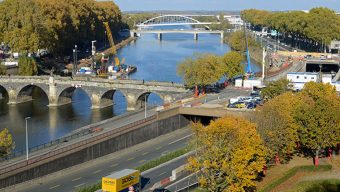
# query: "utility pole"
{"points": [[27, 118], [93, 54], [264, 54]]}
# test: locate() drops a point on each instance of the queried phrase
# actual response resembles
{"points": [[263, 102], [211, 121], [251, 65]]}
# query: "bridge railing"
{"points": [[56, 152], [83, 131], [95, 79]]}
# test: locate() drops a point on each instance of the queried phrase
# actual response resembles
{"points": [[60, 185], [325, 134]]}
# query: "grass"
{"points": [[331, 185], [146, 166], [291, 173]]}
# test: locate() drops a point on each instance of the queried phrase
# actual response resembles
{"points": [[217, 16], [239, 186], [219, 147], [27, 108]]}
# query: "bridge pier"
{"points": [[159, 36], [99, 102], [195, 36], [222, 35]]}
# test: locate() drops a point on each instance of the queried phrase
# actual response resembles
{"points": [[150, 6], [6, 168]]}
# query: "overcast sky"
{"points": [[211, 5]]}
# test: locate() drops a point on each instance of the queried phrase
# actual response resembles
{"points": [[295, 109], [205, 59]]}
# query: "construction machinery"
{"points": [[112, 44]]}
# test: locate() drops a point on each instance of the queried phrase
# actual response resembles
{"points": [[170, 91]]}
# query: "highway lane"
{"points": [[91, 172]]}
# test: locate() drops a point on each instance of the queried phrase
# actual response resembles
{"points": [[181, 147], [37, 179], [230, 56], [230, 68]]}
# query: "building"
{"points": [[234, 20], [335, 46], [297, 80]]}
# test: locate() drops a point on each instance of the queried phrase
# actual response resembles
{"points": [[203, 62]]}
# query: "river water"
{"points": [[155, 60]]}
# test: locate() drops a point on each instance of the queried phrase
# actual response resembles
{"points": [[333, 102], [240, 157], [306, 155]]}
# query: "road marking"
{"points": [[160, 147], [97, 171], [55, 186], [180, 139], [76, 179], [132, 158], [162, 174], [79, 185], [114, 165], [145, 153], [142, 161]]}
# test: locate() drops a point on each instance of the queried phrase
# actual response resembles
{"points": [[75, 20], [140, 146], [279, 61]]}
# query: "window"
{"points": [[297, 77], [312, 77], [305, 77]]}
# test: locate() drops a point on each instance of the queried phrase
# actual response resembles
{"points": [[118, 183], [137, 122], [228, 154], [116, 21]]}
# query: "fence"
{"points": [[76, 146]]}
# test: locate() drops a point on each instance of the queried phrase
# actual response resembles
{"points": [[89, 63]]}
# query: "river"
{"points": [[155, 60]]}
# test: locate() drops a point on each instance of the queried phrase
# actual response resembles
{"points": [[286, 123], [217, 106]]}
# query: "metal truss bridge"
{"points": [[172, 20]]}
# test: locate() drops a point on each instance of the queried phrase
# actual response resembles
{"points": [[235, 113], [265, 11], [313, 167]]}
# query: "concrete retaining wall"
{"points": [[128, 139]]}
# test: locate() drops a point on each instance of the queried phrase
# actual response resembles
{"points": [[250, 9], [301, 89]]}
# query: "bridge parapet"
{"points": [[59, 90]]}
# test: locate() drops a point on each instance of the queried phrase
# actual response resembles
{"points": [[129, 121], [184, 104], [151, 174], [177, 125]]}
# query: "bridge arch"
{"points": [[65, 95], [143, 97], [108, 98], [169, 20], [4, 93], [26, 93]]}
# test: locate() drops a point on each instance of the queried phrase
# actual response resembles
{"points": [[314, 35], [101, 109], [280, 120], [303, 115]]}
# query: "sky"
{"points": [[228, 5]]}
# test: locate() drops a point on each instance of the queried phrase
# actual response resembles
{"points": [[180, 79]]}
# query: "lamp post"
{"points": [[75, 59], [145, 107], [27, 118], [93, 53]]}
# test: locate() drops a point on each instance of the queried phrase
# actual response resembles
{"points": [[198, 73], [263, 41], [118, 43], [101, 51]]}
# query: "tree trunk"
{"points": [[316, 158]]}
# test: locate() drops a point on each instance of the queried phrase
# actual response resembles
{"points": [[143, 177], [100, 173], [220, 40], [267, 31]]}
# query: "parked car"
{"points": [[251, 105], [323, 57]]}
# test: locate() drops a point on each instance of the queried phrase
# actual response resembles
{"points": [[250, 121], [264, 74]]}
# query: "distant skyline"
{"points": [[225, 5]]}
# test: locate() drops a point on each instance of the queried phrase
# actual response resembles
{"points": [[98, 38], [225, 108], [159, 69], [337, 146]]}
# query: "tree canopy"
{"points": [[202, 70], [317, 27], [232, 64], [319, 116], [230, 154], [56, 25], [27, 66], [275, 88], [276, 125], [6, 143]]}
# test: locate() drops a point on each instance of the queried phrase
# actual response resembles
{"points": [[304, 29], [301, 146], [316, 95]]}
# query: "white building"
{"points": [[235, 20], [297, 80]]}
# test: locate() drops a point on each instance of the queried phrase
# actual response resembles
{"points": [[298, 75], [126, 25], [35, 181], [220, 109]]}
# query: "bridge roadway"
{"points": [[161, 32], [91, 172], [59, 90]]}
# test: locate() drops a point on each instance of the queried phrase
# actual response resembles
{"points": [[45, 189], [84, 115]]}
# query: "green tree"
{"points": [[232, 63], [318, 117], [27, 66], [230, 154], [277, 127], [201, 70], [6, 143], [236, 40], [3, 70], [275, 88]]}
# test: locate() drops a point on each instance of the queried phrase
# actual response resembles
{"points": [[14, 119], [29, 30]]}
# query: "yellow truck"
{"points": [[121, 180]]}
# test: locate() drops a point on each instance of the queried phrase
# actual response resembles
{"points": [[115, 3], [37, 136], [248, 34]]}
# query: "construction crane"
{"points": [[112, 44]]}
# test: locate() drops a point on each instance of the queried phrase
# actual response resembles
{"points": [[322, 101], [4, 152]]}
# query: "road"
{"points": [[91, 172]]}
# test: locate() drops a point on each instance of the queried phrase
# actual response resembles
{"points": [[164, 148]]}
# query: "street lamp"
{"points": [[27, 118], [145, 107], [76, 59], [93, 53]]}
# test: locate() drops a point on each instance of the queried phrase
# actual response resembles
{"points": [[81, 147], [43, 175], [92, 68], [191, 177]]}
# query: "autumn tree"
{"points": [[277, 127], [3, 70], [236, 40], [229, 154], [275, 88], [318, 118], [201, 70], [232, 64], [27, 66], [6, 143]]}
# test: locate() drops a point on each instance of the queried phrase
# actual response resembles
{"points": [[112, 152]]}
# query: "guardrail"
{"points": [[75, 146], [80, 132], [95, 80]]}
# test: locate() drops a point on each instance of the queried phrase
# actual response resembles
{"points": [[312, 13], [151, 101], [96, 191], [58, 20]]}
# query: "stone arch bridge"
{"points": [[59, 90]]}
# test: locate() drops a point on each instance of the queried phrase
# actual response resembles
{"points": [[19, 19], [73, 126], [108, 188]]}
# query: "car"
{"points": [[238, 104], [323, 57], [251, 105], [308, 56]]}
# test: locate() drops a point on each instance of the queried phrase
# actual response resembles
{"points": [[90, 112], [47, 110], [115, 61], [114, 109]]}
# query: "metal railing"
{"points": [[76, 146]]}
